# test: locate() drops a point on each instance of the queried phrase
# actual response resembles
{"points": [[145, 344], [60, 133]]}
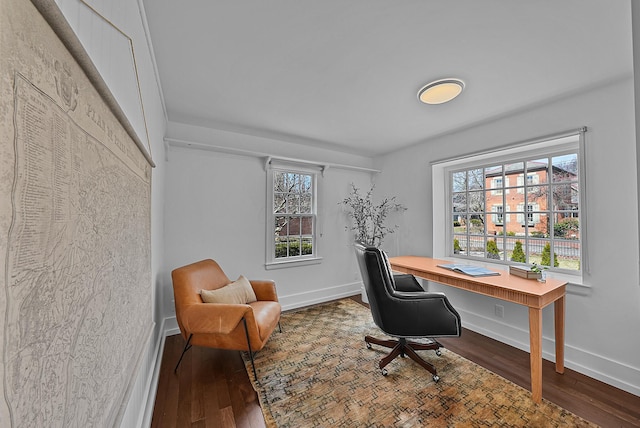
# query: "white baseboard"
{"points": [[580, 360], [363, 293], [293, 301], [147, 414], [171, 326], [138, 411]]}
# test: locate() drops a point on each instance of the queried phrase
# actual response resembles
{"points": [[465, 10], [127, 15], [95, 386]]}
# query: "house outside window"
{"points": [[544, 202], [291, 216]]}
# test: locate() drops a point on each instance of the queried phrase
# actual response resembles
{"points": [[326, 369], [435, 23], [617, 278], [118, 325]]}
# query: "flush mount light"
{"points": [[440, 91]]}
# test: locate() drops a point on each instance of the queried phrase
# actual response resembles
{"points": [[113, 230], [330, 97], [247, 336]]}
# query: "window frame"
{"points": [[548, 147], [273, 262]]}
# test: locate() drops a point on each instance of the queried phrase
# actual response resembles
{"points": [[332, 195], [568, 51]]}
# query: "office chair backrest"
{"points": [[377, 278]]}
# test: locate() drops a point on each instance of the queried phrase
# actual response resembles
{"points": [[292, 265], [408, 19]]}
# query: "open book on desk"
{"points": [[470, 270]]}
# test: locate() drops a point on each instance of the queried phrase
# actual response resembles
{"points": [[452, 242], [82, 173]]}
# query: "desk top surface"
{"points": [[505, 280]]}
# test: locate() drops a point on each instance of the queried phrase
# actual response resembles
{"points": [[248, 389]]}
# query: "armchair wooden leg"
{"points": [[186, 348]]}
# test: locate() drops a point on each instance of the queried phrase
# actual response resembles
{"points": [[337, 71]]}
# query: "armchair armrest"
{"points": [[209, 318], [264, 289]]}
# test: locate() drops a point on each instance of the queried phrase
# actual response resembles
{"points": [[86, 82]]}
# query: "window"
{"points": [[291, 216], [498, 218], [532, 179], [545, 202], [498, 185], [531, 214]]}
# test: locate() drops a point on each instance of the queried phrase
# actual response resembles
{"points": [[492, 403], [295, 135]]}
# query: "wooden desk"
{"points": [[507, 287]]}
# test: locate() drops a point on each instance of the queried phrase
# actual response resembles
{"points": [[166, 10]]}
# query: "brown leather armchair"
{"points": [[242, 327]]}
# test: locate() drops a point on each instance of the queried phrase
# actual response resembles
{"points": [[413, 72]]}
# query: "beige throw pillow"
{"points": [[238, 292]]}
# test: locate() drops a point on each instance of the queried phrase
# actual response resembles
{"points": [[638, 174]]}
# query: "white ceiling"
{"points": [[344, 74]]}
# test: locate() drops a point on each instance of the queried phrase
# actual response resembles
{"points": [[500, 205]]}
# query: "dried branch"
{"points": [[369, 218]]}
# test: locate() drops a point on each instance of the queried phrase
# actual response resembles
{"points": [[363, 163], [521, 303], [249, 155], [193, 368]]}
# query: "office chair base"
{"points": [[404, 348]]}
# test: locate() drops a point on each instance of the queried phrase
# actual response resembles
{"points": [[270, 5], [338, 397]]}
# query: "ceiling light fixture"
{"points": [[440, 91]]}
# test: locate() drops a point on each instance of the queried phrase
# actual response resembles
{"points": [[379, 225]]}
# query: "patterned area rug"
{"points": [[319, 373]]}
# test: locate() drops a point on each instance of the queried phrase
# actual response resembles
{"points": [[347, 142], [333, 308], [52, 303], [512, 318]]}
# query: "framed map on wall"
{"points": [[76, 304]]}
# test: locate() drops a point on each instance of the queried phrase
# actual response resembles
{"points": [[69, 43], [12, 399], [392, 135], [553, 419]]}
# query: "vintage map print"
{"points": [[75, 237]]}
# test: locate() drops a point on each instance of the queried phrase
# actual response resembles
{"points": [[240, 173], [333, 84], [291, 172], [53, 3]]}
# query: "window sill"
{"points": [[293, 263]]}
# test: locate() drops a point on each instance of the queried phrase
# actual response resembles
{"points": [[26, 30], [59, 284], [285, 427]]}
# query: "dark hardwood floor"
{"points": [[212, 389]]}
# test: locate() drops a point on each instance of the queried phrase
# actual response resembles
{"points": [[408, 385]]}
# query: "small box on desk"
{"points": [[524, 272]]}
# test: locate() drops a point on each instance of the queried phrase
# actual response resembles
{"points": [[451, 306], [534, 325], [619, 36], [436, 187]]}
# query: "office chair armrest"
{"points": [[207, 318], [420, 295], [264, 289], [406, 282], [426, 313]]}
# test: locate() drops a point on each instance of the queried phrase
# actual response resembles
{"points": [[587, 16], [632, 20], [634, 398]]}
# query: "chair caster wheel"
{"points": [[368, 345], [438, 352], [384, 372], [436, 378]]}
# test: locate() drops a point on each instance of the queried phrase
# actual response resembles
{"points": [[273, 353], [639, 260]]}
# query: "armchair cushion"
{"points": [[238, 292]]}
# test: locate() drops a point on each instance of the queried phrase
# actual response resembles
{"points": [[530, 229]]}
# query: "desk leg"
{"points": [[535, 352], [558, 309]]}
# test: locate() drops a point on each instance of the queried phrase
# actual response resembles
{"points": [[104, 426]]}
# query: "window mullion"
{"points": [[505, 226], [468, 214], [550, 211]]}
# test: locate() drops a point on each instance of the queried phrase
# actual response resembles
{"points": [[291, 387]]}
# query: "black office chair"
{"points": [[404, 313]]}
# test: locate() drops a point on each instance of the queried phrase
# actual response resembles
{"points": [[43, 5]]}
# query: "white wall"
{"points": [[126, 16], [601, 319], [217, 209], [635, 29]]}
